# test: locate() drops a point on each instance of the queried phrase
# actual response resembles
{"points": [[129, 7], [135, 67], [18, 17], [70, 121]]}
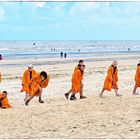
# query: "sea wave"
{"points": [[29, 49]]}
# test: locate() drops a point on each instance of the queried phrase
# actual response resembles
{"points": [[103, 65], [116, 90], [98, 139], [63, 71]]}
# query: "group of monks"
{"points": [[112, 79], [110, 82], [33, 83]]}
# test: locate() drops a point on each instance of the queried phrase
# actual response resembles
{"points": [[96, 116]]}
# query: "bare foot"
{"points": [[101, 95], [135, 93]]}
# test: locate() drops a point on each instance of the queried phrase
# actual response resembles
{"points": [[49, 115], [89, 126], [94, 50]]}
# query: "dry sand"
{"points": [[94, 117]]}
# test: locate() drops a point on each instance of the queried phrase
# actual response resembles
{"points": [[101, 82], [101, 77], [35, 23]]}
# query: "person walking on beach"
{"points": [[111, 79], [77, 77], [27, 76], [61, 54], [4, 102], [137, 79], [37, 83], [81, 62]]}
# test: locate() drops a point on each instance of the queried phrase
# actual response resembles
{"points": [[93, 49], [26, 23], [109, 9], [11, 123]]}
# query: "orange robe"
{"points": [[137, 76], [5, 102], [82, 72], [36, 82], [111, 79], [26, 80], [76, 80]]}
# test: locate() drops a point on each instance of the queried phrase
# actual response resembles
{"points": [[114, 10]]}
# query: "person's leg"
{"points": [[73, 96], [0, 104], [32, 96], [67, 94], [69, 91], [116, 92], [40, 94], [81, 91], [29, 99], [134, 90], [101, 94], [26, 97]]}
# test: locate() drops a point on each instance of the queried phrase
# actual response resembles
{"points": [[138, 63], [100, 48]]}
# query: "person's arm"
{"points": [[33, 79], [34, 73], [2, 98], [46, 82], [138, 70], [24, 79], [116, 75], [82, 76]]}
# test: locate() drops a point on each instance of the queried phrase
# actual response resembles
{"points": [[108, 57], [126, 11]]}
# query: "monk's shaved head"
{"points": [[30, 67], [114, 63], [81, 62], [5, 93]]}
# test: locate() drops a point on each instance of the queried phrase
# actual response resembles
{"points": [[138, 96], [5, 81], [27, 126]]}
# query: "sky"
{"points": [[69, 20]]}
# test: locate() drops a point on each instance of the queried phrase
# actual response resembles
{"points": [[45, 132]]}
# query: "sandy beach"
{"points": [[94, 117]]}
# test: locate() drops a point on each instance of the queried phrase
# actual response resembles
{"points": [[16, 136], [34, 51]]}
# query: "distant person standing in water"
{"points": [[61, 54], [1, 58], [65, 55]]}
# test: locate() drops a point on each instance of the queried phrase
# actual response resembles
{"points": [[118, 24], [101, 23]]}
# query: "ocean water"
{"points": [[52, 49]]}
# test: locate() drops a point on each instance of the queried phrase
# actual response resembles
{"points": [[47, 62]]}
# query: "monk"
{"points": [[27, 76], [76, 81], [137, 79], [4, 103], [81, 62], [111, 79], [37, 83]]}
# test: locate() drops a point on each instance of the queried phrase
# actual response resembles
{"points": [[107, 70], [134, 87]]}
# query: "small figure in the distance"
{"points": [[65, 55], [1, 58], [61, 54]]}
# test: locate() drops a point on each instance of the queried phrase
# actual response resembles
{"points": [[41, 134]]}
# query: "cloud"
{"points": [[135, 9], [40, 4], [2, 14], [83, 7]]}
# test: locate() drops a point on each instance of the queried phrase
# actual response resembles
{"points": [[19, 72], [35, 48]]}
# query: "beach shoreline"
{"points": [[53, 61]]}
